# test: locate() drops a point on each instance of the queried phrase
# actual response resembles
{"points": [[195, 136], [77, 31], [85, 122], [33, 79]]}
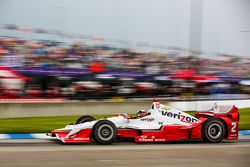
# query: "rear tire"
{"points": [[104, 132], [213, 131], [83, 119]]}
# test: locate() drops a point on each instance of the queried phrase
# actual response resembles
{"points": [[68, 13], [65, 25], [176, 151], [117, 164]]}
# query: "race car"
{"points": [[161, 123]]}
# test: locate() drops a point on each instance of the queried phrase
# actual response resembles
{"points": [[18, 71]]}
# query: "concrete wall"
{"points": [[12, 110]]}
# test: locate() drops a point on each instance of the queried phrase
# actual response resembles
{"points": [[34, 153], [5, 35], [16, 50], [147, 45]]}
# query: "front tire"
{"points": [[83, 119], [104, 132], [213, 130]]}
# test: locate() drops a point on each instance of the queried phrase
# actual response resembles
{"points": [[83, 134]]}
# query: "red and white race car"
{"points": [[161, 123]]}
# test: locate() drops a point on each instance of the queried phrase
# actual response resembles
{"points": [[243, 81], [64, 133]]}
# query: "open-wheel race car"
{"points": [[161, 123]]}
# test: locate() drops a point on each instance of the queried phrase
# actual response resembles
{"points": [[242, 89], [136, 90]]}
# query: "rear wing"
{"points": [[229, 110]]}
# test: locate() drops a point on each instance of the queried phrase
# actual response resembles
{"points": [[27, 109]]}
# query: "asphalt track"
{"points": [[43, 152]]}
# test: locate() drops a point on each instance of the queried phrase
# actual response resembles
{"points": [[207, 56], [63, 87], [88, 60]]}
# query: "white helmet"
{"points": [[141, 113]]}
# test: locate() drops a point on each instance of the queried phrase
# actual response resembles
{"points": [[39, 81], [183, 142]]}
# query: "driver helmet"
{"points": [[141, 113]]}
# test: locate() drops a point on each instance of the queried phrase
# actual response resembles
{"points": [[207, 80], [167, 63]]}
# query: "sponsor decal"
{"points": [[152, 139], [179, 116], [147, 119], [233, 135], [147, 140], [160, 140]]}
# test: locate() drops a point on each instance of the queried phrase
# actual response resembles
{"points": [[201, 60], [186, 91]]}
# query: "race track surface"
{"points": [[42, 152]]}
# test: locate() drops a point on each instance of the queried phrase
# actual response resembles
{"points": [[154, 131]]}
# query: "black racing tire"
{"points": [[83, 119], [213, 131], [104, 132]]}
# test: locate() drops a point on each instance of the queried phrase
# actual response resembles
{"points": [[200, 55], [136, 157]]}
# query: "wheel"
{"points": [[83, 119], [104, 132], [213, 130]]}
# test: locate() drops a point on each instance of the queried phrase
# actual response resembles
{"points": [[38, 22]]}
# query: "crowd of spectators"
{"points": [[21, 54]]}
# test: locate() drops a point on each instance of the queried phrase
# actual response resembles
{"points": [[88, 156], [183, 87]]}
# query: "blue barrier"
{"points": [[244, 132]]}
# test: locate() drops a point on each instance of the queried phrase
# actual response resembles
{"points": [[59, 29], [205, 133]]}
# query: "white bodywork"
{"points": [[159, 115]]}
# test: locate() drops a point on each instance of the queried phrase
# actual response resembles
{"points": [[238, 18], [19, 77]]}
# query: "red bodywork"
{"points": [[167, 132]]}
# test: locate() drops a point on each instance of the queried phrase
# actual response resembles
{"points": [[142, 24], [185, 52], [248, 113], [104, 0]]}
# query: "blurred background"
{"points": [[61, 59], [114, 49]]}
